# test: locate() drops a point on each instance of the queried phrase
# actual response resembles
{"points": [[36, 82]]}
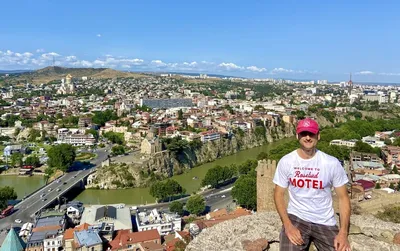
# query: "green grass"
{"points": [[85, 156]]}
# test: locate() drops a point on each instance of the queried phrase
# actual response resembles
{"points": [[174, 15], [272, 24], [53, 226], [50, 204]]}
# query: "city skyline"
{"points": [[254, 39]]}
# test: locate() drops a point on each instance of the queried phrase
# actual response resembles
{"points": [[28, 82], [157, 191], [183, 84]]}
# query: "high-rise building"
{"points": [[349, 86]]}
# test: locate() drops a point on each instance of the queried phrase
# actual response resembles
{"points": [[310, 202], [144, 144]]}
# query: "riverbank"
{"points": [[134, 196]]}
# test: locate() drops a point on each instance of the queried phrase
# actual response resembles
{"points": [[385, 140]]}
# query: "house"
{"points": [[120, 217], [358, 156], [75, 210], [391, 155], [209, 136], [125, 240], [88, 240], [348, 143], [368, 167], [362, 189], [388, 179], [164, 223], [47, 232]]}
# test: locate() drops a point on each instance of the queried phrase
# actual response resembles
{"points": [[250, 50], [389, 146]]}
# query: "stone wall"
{"points": [[366, 234]]}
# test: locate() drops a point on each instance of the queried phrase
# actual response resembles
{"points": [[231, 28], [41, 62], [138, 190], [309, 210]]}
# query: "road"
{"points": [[32, 204], [215, 199]]}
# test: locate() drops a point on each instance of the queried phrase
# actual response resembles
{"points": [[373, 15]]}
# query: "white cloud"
{"points": [[364, 73], [70, 58], [98, 35], [158, 63], [82, 63], [192, 64], [9, 53], [230, 66], [50, 55], [39, 50], [282, 70], [256, 69], [126, 66]]}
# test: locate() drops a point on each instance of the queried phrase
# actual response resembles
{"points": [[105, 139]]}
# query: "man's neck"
{"points": [[306, 153]]}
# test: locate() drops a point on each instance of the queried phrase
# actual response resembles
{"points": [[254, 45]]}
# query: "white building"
{"points": [[209, 136], [74, 137], [163, 222], [347, 143], [373, 141], [67, 87], [53, 242]]}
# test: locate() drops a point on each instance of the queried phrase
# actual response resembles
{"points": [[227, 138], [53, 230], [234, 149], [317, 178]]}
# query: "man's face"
{"points": [[308, 140]]}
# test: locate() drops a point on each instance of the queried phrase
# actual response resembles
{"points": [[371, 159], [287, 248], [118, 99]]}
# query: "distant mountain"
{"points": [[13, 71], [51, 73]]}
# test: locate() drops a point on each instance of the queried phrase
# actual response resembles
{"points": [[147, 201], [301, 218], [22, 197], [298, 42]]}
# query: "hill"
{"points": [[51, 73]]}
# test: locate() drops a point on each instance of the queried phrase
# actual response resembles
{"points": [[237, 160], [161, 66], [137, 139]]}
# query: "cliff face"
{"points": [[366, 234], [166, 164]]}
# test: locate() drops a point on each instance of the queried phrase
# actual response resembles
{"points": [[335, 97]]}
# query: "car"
{"points": [[42, 195], [18, 221], [50, 189], [44, 199], [75, 176], [65, 183], [58, 189], [58, 181], [223, 196]]}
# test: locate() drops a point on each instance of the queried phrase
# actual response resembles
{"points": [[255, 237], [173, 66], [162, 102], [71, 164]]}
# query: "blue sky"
{"points": [[290, 39]]}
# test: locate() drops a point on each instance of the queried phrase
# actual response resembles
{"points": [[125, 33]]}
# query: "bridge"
{"points": [[48, 194]]}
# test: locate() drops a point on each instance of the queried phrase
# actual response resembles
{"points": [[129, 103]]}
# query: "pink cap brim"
{"points": [[307, 129]]}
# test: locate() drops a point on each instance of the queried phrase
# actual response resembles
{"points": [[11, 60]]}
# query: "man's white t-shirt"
{"points": [[310, 182]]}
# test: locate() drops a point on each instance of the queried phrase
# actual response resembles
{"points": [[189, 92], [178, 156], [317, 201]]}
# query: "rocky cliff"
{"points": [[166, 164], [366, 234]]}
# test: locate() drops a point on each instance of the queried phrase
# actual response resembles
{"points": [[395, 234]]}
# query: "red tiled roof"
{"points": [[366, 184], [124, 237]]}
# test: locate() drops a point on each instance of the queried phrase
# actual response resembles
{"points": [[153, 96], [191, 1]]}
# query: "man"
{"points": [[309, 174]]}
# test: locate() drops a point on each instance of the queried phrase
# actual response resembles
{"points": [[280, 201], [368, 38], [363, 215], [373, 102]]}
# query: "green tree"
{"points": [[180, 114], [164, 189], [176, 207], [6, 193], [101, 118], [262, 156], [118, 150], [196, 204], [114, 137], [16, 159], [391, 186], [395, 170], [398, 186], [93, 132], [32, 161], [61, 156], [377, 186], [33, 135], [245, 191], [212, 177]]}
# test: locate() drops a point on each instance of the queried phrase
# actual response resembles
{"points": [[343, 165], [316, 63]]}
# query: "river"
{"points": [[190, 181]]}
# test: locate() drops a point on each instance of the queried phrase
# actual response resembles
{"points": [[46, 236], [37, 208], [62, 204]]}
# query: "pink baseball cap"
{"points": [[307, 125]]}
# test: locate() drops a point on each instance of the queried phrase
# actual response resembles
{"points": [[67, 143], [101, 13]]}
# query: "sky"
{"points": [[258, 39]]}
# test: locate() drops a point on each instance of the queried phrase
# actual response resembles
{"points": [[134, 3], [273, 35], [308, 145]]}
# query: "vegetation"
{"points": [[245, 191], [165, 189], [118, 150], [391, 214], [176, 207], [61, 157], [16, 159], [217, 175], [6, 193], [32, 161], [196, 204], [101, 118], [114, 137]]}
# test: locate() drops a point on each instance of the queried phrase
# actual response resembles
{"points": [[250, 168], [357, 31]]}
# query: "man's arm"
{"points": [[291, 231], [341, 241]]}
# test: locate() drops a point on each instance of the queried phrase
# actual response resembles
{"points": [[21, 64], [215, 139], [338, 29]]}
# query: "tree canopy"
{"points": [[245, 191], [61, 156], [164, 189], [6, 193], [217, 175], [176, 207], [196, 204]]}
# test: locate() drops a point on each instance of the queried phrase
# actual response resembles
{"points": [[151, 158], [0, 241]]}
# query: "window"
{"points": [[92, 248]]}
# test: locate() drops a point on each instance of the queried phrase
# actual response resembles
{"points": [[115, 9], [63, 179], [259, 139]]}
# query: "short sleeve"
{"points": [[339, 176], [281, 177]]}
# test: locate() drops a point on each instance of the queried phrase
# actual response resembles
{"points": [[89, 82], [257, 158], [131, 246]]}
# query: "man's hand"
{"points": [[341, 242], [294, 235]]}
